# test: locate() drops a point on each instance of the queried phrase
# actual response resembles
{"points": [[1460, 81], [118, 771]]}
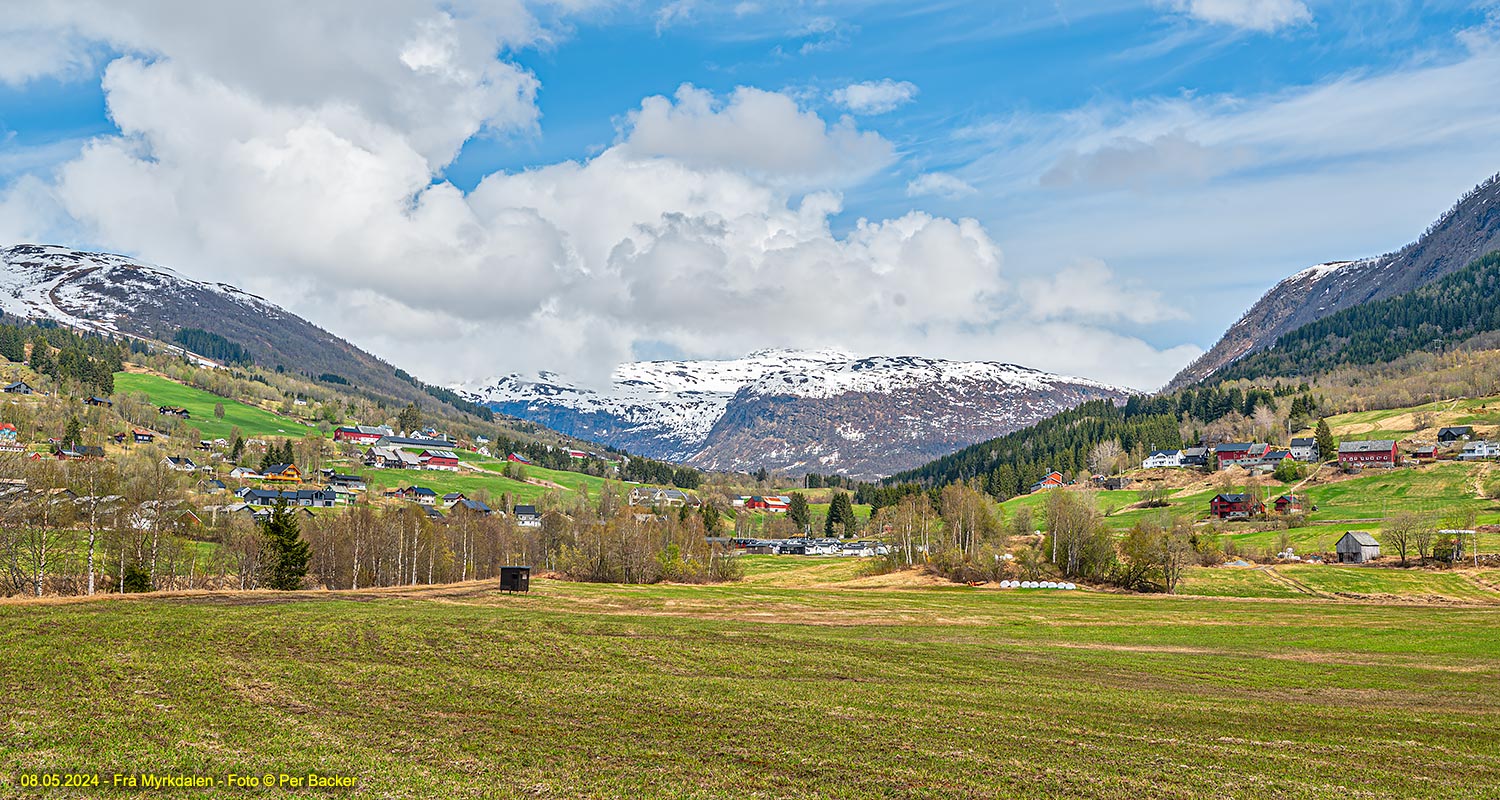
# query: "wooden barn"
{"points": [[1357, 547]]}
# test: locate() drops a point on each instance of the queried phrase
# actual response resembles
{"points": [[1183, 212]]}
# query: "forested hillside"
{"points": [[1009, 464], [1431, 317]]}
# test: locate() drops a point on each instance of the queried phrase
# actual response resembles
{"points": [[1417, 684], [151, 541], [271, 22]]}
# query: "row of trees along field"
{"points": [[966, 536], [132, 524]]}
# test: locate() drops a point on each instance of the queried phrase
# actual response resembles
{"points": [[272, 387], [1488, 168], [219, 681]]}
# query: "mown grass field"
{"points": [[784, 685], [250, 420]]}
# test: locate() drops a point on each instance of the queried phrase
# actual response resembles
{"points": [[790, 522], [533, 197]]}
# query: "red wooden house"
{"points": [[1288, 504], [518, 458], [1051, 480], [1235, 506]]}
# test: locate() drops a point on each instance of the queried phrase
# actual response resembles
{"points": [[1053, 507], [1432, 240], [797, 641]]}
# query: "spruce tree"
{"points": [[840, 512], [237, 450], [797, 511], [73, 433], [286, 554], [1327, 446]]}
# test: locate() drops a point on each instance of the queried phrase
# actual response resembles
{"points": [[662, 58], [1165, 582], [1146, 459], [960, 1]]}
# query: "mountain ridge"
{"points": [[793, 410], [1466, 231]]}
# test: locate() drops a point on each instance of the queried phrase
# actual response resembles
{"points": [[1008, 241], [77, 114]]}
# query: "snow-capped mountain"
{"points": [[1470, 229], [799, 411], [114, 294]]}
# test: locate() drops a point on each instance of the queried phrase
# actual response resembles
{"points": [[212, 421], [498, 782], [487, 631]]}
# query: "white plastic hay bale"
{"points": [[1070, 586], [1048, 585]]}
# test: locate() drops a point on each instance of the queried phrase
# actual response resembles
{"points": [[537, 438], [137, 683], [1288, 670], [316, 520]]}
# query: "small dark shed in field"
{"points": [[515, 579], [1357, 547]]}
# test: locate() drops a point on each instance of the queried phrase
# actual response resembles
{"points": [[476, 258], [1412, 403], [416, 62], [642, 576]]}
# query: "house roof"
{"points": [[526, 511], [1304, 442], [17, 385], [1288, 498], [421, 491], [1155, 453], [1368, 446], [181, 461], [1233, 498], [1361, 537], [279, 468], [473, 505], [1234, 447], [1456, 430]]}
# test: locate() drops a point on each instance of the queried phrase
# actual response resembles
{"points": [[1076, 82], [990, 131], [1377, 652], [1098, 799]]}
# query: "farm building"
{"points": [[439, 459], [1357, 547], [1241, 454], [774, 504], [96, 400], [1288, 504], [1424, 453], [19, 387], [1115, 483], [1374, 452], [518, 458], [1235, 506], [361, 434], [1455, 433]]}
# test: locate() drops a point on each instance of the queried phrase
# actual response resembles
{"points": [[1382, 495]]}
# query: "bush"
{"points": [[137, 579]]}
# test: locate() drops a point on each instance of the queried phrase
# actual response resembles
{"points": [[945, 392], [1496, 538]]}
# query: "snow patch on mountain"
{"points": [[92, 290]]}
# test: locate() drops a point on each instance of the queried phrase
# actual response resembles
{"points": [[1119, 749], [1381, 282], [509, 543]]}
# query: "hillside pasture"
{"points": [[251, 420]]}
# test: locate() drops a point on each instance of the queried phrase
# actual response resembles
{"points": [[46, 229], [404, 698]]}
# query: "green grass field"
{"points": [[250, 420], [444, 482], [784, 685]]}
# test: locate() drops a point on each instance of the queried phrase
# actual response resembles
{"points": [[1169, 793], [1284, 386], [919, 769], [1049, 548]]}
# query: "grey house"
{"points": [[1357, 547]]}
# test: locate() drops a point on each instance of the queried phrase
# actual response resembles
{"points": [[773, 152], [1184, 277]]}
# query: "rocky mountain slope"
{"points": [[1467, 231], [799, 411], [114, 294]]}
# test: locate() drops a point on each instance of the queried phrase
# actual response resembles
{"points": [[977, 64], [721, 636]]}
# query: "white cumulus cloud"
{"points": [[874, 97], [277, 147]]}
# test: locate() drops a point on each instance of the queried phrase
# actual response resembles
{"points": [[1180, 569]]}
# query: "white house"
{"points": [[1306, 450], [243, 472], [1163, 458], [1480, 450]]}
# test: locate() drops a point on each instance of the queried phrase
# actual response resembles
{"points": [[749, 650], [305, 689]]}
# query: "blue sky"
{"points": [[1097, 188]]}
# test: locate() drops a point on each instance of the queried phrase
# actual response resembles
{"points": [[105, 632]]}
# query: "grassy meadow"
{"points": [[803, 680], [251, 421]]}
